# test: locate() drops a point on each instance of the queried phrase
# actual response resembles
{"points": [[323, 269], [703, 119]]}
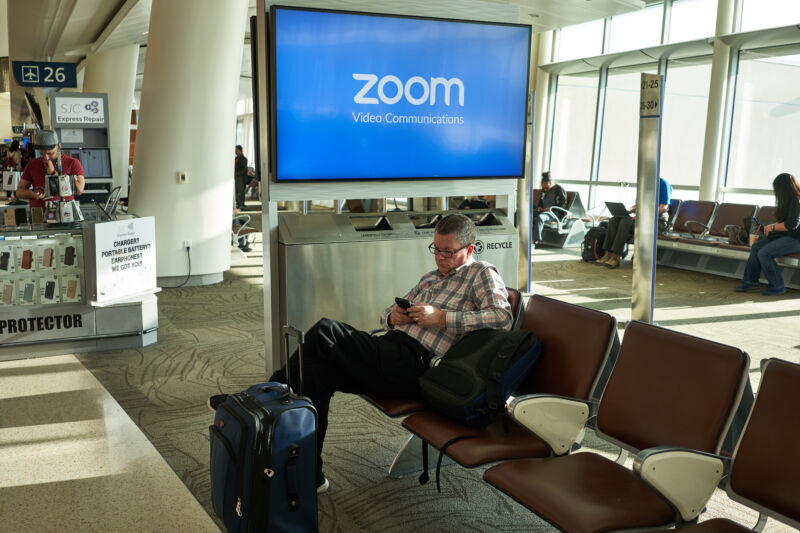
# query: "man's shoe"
{"points": [[614, 261], [602, 260], [214, 401], [745, 286], [322, 483], [773, 291]]}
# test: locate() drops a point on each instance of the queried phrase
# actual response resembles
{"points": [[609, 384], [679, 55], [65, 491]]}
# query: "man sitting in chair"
{"points": [[461, 295], [620, 229], [552, 196]]}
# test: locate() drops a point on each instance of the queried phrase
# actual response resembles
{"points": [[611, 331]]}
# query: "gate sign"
{"points": [[45, 74]]}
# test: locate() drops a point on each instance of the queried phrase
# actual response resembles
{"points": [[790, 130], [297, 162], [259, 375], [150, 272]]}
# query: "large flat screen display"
{"points": [[359, 96]]}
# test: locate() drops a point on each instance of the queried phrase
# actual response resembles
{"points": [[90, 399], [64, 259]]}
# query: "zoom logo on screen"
{"points": [[400, 90]]}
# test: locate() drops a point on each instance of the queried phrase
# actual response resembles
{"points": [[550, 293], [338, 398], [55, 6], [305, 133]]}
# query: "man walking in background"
{"points": [[240, 176]]}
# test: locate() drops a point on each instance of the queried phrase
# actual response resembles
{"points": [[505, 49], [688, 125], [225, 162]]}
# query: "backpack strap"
{"points": [[441, 456], [498, 365], [424, 477]]}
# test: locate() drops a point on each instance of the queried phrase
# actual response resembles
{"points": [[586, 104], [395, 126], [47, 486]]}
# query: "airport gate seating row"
{"points": [[697, 240], [670, 399], [571, 227]]}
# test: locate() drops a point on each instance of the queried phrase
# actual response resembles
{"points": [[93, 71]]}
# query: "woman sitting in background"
{"points": [[781, 238]]}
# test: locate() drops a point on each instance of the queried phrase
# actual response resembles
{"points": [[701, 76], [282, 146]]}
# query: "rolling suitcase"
{"points": [[264, 457]]}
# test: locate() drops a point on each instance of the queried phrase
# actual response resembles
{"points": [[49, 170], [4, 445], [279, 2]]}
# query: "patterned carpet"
{"points": [[211, 340]]}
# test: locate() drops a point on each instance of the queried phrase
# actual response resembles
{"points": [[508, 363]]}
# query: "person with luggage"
{"points": [[553, 195], [620, 228], [461, 295], [780, 238]]}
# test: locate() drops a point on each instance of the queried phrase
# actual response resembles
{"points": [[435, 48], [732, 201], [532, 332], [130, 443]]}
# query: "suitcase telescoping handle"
{"points": [[291, 331]]}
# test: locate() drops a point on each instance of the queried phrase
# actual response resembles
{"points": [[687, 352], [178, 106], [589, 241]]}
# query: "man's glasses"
{"points": [[447, 254]]}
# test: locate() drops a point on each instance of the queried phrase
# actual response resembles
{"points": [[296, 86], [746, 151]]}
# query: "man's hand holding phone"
{"points": [[399, 314]]}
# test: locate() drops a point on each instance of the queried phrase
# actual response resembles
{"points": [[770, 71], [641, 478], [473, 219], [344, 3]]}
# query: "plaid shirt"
{"points": [[473, 297]]}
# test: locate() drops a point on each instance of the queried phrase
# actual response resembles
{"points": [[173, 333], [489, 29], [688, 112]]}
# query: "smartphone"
{"points": [[402, 302]]}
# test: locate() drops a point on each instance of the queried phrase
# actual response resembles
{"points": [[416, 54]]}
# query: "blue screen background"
{"points": [[316, 54]]}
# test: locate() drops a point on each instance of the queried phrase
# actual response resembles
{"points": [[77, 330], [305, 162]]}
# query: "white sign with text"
{"points": [[79, 111], [125, 258]]}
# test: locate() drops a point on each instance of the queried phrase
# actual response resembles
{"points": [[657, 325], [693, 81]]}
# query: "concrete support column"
{"points": [[187, 123], [541, 54], [114, 72], [717, 103]]}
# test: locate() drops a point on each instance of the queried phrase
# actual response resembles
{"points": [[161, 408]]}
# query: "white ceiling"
{"points": [[66, 30]]}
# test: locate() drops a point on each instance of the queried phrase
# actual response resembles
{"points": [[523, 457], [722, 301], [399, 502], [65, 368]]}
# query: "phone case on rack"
{"points": [[27, 259], [8, 294], [49, 290], [21, 216], [9, 218], [47, 257], [72, 288], [69, 256], [37, 215], [4, 259], [27, 295]]}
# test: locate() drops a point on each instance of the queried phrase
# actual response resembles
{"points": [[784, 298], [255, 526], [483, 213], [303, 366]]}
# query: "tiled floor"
{"points": [[72, 460]]}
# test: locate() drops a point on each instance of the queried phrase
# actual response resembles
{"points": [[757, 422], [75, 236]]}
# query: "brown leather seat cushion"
{"points": [[395, 406], [730, 214], [484, 445], [583, 492], [669, 388], [717, 525], [694, 211], [766, 468]]}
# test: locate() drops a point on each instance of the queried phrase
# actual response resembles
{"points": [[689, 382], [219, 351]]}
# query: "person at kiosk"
{"points": [[459, 296], [51, 162]]}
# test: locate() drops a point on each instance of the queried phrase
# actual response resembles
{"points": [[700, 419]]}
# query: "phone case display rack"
{"points": [[41, 267], [46, 277]]}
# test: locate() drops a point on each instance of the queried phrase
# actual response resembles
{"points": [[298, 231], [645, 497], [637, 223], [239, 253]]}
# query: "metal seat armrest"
{"points": [[702, 233], [685, 477], [557, 420]]}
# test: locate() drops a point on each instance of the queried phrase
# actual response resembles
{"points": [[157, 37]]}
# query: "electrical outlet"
{"points": [[187, 244], [183, 177]]}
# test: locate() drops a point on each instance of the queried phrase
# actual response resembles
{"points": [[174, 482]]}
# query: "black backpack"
{"points": [[592, 247], [472, 381]]}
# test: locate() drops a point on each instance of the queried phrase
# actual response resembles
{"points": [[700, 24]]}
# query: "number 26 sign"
{"points": [[45, 74]]}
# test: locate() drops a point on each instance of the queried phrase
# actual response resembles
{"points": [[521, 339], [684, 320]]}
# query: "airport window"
{"points": [[636, 30], [580, 40], [692, 19], [620, 141], [573, 126], [760, 14], [764, 135], [683, 122]]}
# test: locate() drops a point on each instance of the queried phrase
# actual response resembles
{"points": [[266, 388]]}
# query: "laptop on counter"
{"points": [[617, 209]]}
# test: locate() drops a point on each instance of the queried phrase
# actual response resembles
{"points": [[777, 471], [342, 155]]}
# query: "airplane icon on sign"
{"points": [[30, 74]]}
